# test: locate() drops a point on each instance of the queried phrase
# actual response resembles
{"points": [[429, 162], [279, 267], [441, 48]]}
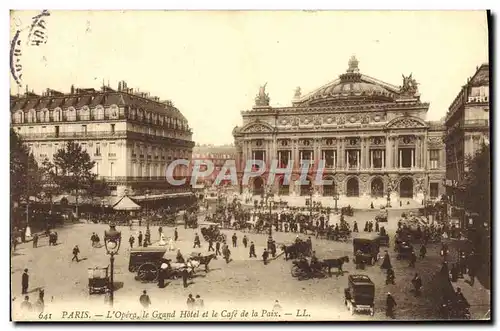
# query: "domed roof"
{"points": [[351, 87]]}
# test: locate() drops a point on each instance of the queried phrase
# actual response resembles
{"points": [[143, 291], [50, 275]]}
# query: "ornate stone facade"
{"points": [[372, 136]]}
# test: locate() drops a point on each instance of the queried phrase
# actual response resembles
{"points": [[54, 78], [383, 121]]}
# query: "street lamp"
{"points": [[271, 202], [336, 198], [388, 198], [112, 241], [311, 191]]}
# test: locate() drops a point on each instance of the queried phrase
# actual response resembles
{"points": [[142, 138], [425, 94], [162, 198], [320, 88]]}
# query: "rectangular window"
{"points": [[112, 128], [434, 158], [84, 129], [57, 131], [97, 168], [111, 166], [377, 157], [112, 150], [352, 158], [97, 149], [330, 157], [84, 146]]}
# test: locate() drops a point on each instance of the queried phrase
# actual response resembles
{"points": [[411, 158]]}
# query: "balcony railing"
{"points": [[90, 134], [111, 154]]}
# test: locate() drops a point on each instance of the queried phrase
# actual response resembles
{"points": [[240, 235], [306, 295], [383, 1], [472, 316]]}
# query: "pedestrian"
{"points": [[377, 226], [245, 241], [131, 241], [176, 234], [472, 275], [423, 251], [198, 302], [25, 282], [417, 284], [252, 250], [413, 259], [235, 239], [26, 304], [390, 303], [190, 302], [265, 255], [161, 278], [273, 249], [386, 263], [210, 245], [217, 248], [145, 300], [139, 238], [185, 276], [390, 277], [160, 231], [35, 240], [197, 241], [76, 251], [355, 227]]}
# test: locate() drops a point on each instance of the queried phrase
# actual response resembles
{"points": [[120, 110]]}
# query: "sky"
{"points": [[211, 64]]}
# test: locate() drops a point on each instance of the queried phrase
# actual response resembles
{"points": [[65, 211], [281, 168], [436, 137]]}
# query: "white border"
{"points": [[199, 4]]}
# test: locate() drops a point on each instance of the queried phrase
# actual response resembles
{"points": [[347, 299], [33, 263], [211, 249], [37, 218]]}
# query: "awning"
{"points": [[126, 203], [162, 196]]}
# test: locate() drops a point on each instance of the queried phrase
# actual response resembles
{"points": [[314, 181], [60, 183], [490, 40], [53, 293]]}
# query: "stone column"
{"points": [[388, 154], [340, 157], [412, 164]]}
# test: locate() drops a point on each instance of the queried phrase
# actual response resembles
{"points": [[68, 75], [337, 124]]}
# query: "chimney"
{"points": [[72, 89], [119, 86]]}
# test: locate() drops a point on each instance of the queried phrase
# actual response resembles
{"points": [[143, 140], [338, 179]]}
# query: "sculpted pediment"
{"points": [[257, 126], [406, 122]]}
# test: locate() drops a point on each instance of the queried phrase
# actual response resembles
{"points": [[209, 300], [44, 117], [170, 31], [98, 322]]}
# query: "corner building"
{"points": [[372, 136], [131, 136]]}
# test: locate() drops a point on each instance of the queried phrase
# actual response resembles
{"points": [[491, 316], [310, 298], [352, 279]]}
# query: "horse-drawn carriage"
{"points": [[296, 250], [98, 279], [403, 248], [360, 294], [211, 231], [383, 237], [347, 211], [148, 262], [366, 249], [304, 269]]}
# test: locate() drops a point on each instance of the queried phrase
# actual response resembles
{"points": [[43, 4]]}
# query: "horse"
{"points": [[295, 250], [334, 263], [204, 260]]}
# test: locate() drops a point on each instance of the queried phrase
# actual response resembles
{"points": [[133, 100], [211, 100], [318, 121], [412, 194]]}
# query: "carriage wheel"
{"points": [[147, 272], [295, 271]]}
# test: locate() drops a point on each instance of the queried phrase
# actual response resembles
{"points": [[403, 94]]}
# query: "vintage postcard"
{"points": [[250, 166]]}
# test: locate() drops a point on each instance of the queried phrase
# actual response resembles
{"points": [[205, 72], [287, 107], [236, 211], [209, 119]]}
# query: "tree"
{"points": [[49, 181], [25, 180], [73, 169]]}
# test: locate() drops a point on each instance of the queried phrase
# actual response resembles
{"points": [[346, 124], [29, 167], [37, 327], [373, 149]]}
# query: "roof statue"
{"points": [[410, 86], [353, 64], [298, 93], [262, 99]]}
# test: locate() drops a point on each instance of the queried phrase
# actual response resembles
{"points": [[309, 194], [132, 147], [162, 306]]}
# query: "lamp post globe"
{"points": [[112, 241]]}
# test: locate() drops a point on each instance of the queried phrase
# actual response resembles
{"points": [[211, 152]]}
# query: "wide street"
{"points": [[244, 282]]}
